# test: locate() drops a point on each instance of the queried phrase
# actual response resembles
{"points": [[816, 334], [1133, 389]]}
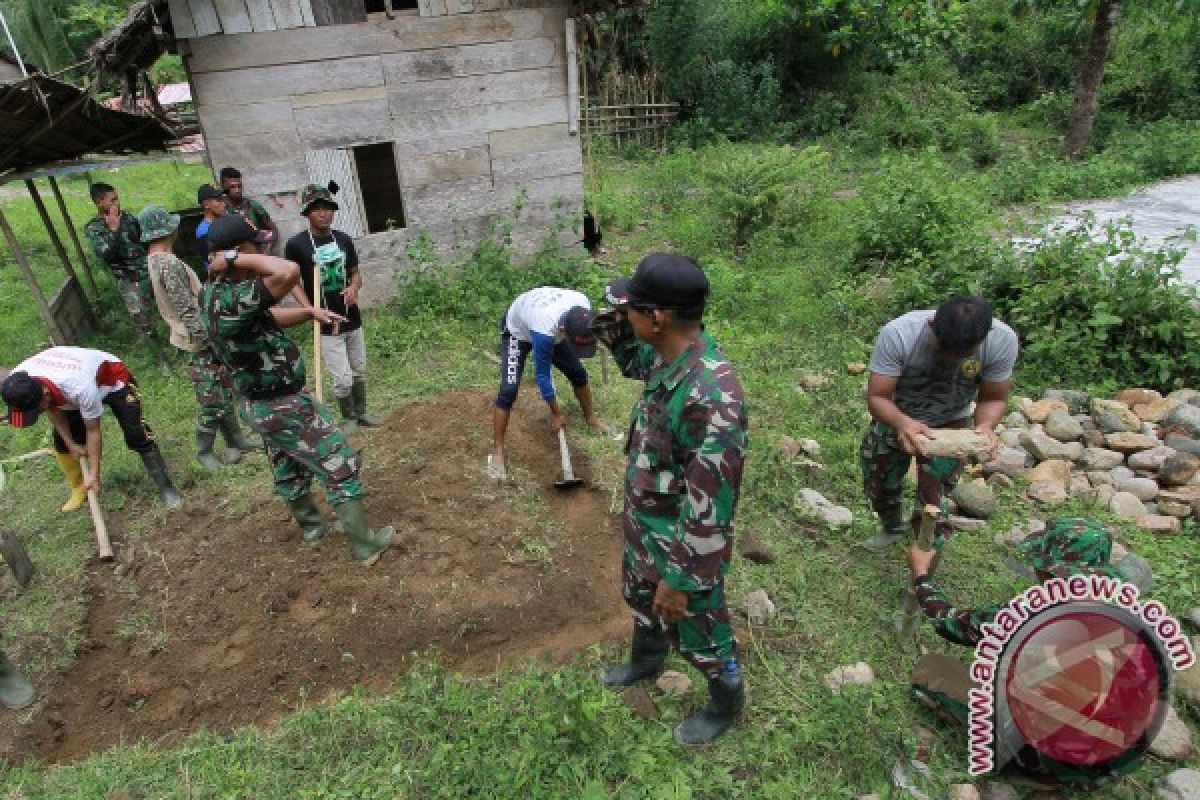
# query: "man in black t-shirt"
{"points": [[342, 345]]}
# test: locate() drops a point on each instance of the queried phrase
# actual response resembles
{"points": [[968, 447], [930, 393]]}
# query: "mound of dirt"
{"points": [[220, 622]]}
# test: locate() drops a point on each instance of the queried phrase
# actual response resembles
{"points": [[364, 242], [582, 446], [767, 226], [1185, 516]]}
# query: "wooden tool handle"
{"points": [[103, 546], [319, 390], [568, 473], [911, 615]]}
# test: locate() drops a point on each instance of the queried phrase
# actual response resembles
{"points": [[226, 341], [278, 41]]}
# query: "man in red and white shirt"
{"points": [[73, 385]]}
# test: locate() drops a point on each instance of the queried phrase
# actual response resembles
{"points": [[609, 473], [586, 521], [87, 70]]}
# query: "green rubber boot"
{"points": [[647, 657], [312, 524], [235, 440], [727, 697], [15, 689], [204, 449], [349, 415], [367, 545], [892, 528], [359, 393], [156, 468]]}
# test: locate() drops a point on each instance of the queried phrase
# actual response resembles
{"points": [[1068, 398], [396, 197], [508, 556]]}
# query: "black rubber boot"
{"points": [[15, 689], [349, 415], [647, 656], [368, 545], [156, 468], [892, 528], [235, 439], [727, 697], [359, 393], [204, 449], [312, 524]]}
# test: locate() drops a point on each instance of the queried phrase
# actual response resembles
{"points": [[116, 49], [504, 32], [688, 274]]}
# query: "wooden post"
{"points": [[83, 259], [56, 334], [58, 247], [572, 80]]}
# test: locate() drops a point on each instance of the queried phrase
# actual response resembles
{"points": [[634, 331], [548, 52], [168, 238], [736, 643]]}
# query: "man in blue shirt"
{"points": [[556, 326]]}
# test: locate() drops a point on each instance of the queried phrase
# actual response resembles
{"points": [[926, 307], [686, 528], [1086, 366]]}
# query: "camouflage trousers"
{"points": [[704, 637], [884, 466], [214, 390], [138, 296], [303, 442]]}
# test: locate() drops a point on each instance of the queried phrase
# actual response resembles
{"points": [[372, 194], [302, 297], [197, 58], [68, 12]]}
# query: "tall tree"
{"points": [[1090, 77]]}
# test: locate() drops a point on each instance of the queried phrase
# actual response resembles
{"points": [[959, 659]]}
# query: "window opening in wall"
{"points": [[382, 201], [379, 6]]}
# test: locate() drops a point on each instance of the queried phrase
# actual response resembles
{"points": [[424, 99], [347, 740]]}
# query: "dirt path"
{"points": [[221, 621]]}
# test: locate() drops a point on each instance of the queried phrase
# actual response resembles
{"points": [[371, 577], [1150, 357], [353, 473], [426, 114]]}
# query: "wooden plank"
{"points": [[442, 201], [338, 165], [416, 148], [317, 99], [233, 16], [521, 141], [403, 34], [267, 116], [247, 86], [460, 6], [566, 188], [306, 13], [456, 165], [262, 18], [284, 176], [481, 59], [495, 117], [287, 14], [344, 125], [564, 161], [273, 148], [204, 15], [572, 79], [181, 19], [338, 12], [476, 90]]}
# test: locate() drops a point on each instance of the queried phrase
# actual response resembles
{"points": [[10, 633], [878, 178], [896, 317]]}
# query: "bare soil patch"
{"points": [[223, 619]]}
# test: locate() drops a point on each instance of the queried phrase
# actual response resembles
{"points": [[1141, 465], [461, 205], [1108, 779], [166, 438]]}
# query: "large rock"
{"points": [[963, 791], [1097, 458], [1187, 685], [855, 674], [1159, 523], [1099, 477], [1185, 418], [1077, 402], [1182, 784], [1010, 437], [1143, 489], [1174, 508], [672, 682], [1052, 471], [1103, 495], [1132, 397], [1129, 442], [1044, 447], [1178, 469], [1154, 412], [1126, 506], [1047, 493], [1062, 426], [1010, 461], [1080, 485], [1174, 740], [1093, 438], [758, 607], [815, 504], [1151, 459], [975, 499], [1183, 444], [1185, 395], [1037, 412], [1111, 416], [954, 443], [1015, 419]]}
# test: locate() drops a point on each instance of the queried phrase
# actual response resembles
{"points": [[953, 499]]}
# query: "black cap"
{"points": [[22, 394], [617, 293], [577, 324], [666, 280], [208, 192], [232, 230]]}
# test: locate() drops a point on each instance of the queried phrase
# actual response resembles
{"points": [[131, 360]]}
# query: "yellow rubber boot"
{"points": [[74, 475]]}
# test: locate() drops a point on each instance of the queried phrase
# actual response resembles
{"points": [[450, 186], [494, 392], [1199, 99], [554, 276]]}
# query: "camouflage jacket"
{"points": [[120, 250], [264, 362], [253, 211], [686, 449], [175, 286]]}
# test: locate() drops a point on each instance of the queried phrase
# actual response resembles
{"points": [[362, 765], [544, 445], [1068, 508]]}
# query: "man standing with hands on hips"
{"points": [[685, 454], [343, 346]]}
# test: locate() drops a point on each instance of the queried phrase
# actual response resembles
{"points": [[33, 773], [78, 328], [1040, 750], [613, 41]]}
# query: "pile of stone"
{"points": [[1136, 455]]}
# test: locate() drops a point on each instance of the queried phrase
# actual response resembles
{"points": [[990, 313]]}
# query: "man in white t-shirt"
{"points": [[927, 369], [556, 326], [73, 385]]}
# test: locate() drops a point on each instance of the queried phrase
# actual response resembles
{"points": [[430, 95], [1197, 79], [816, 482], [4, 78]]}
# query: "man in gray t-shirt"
{"points": [[926, 370]]}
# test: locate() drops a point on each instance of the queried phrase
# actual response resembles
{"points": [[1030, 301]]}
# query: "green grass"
{"points": [[782, 305]]}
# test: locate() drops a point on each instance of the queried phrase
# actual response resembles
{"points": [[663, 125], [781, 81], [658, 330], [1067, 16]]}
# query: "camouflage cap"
{"points": [[314, 193], [156, 222]]}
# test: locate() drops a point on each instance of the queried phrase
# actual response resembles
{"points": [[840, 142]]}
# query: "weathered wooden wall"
{"points": [[475, 104]]}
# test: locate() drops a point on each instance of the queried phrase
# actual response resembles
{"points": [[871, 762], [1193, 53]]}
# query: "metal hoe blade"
{"points": [[568, 481], [12, 549]]}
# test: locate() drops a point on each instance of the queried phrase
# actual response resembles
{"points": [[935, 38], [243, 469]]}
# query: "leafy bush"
{"points": [[1091, 303]]}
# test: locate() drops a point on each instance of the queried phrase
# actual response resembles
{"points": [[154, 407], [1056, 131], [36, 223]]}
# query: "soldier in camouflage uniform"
{"points": [[686, 448], [177, 293], [1069, 546], [245, 328], [926, 370], [116, 239]]}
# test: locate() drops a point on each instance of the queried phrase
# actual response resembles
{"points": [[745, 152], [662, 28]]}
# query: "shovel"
{"points": [[569, 481], [13, 551], [910, 615]]}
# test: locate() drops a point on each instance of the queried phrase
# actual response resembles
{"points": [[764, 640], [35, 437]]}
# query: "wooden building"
{"points": [[437, 116]]}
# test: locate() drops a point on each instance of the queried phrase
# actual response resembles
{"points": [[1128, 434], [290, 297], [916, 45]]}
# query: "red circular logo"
{"points": [[1084, 686]]}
